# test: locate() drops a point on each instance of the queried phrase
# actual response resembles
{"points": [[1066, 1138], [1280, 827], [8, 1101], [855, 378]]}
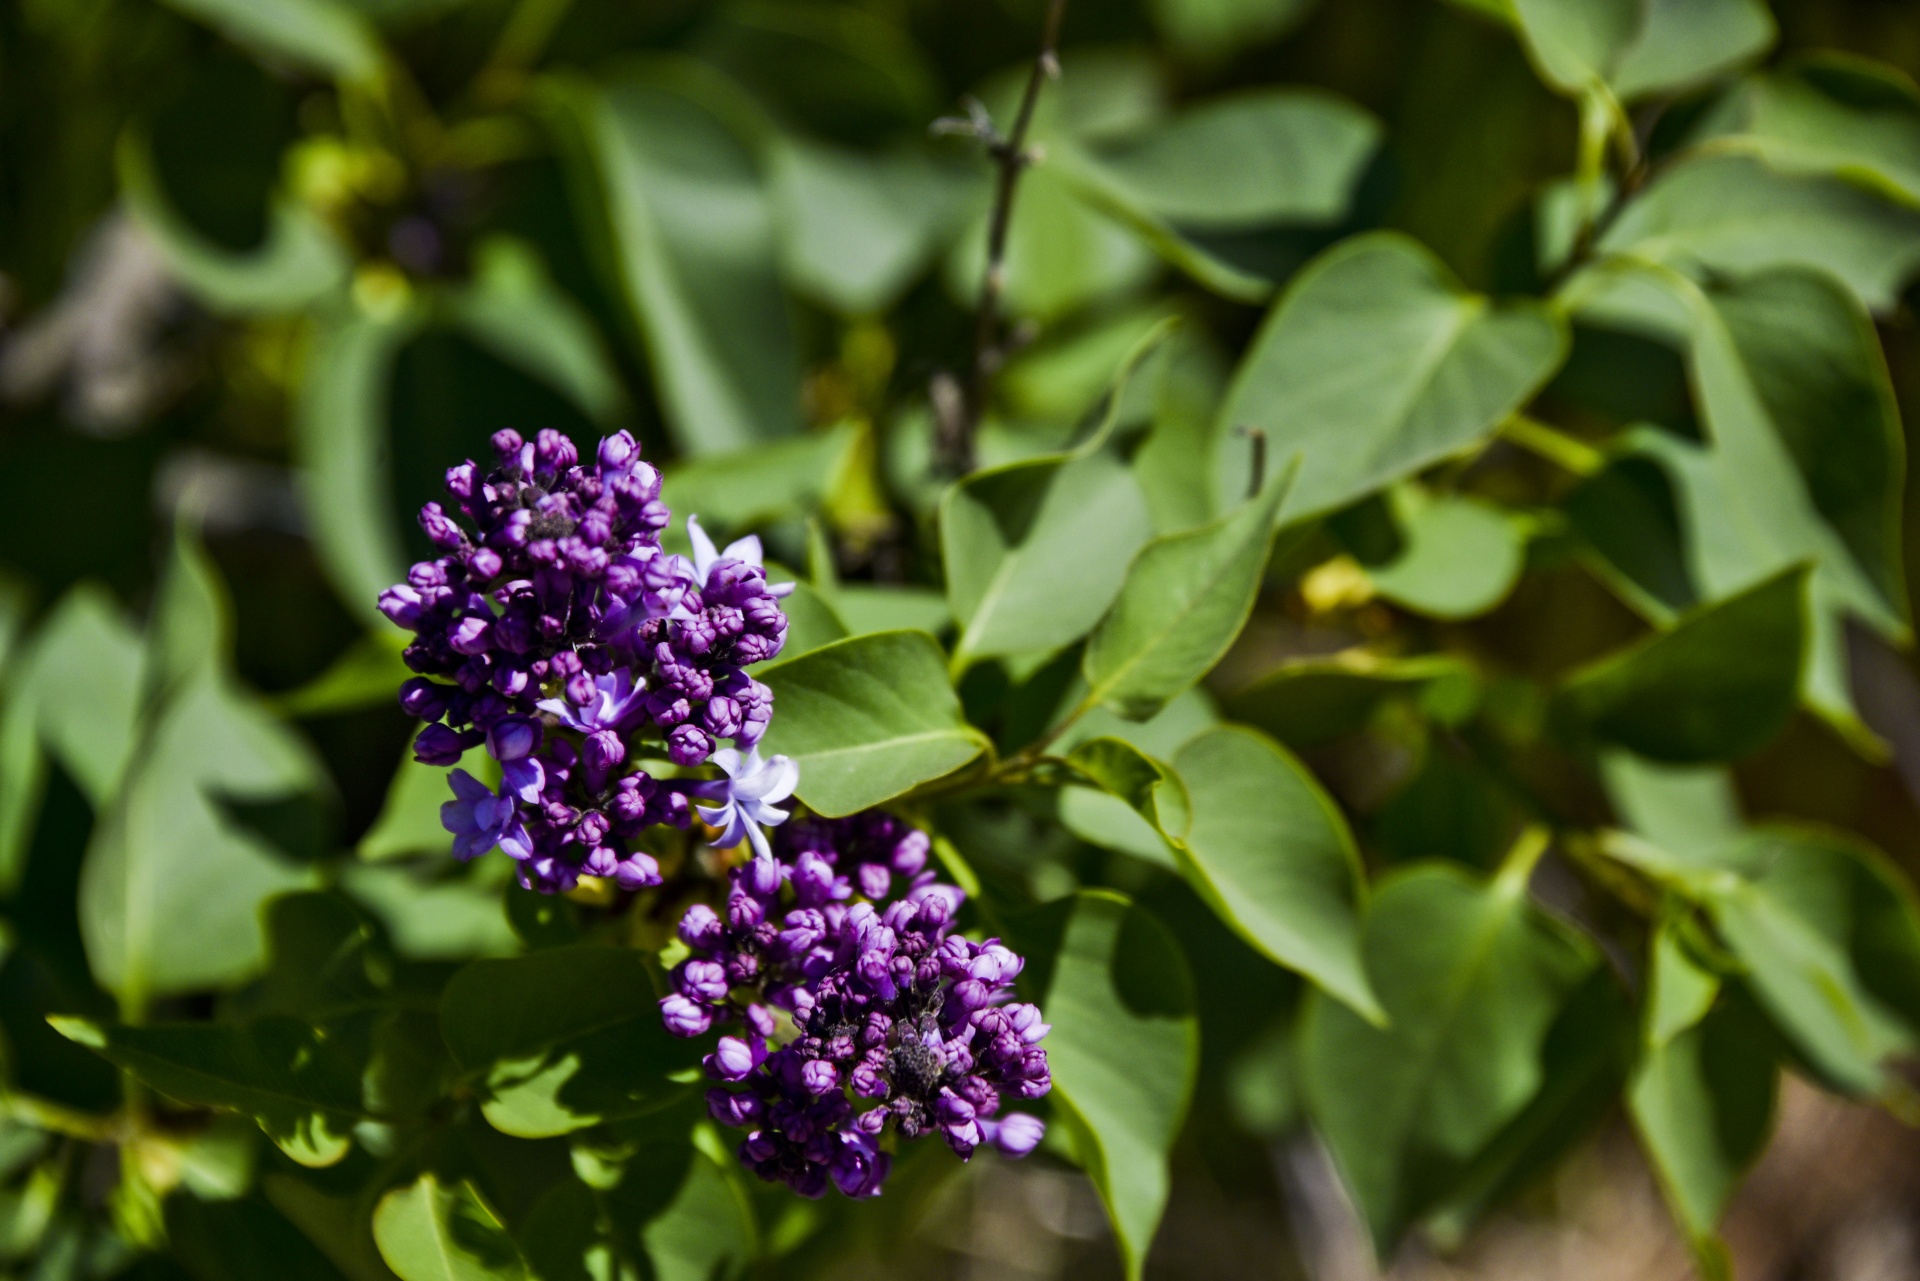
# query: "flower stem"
{"points": [[1010, 154]]}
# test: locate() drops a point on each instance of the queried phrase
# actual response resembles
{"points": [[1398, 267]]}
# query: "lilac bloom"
{"points": [[480, 820], [614, 699], [745, 550], [748, 794]]}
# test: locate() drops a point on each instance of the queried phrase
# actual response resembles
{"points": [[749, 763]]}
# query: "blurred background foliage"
{"points": [[268, 266]]}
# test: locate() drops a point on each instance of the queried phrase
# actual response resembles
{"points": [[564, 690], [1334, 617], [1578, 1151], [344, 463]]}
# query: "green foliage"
{"points": [[1401, 427]]}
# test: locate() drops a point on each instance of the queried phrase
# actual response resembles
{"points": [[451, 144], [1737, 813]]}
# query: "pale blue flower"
{"points": [[748, 795]]}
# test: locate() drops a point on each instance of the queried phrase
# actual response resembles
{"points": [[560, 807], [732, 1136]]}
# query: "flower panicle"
{"points": [[554, 630], [855, 1007]]}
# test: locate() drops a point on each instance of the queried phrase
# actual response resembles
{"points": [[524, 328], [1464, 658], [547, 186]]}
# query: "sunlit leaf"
{"points": [[1376, 363], [867, 719]]}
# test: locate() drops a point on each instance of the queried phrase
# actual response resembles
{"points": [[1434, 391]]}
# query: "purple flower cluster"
{"points": [[889, 1015], [554, 629]]}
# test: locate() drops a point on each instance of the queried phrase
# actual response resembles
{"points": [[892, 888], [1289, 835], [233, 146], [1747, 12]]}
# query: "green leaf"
{"points": [[1805, 463], [689, 227], [1800, 919], [1829, 936], [1462, 555], [241, 1240], [1185, 598], [317, 35], [868, 719], [856, 229], [432, 1231], [1675, 807], [164, 852], [759, 483], [1376, 363], [1248, 159], [889, 609], [514, 308], [707, 1230], [340, 440], [1638, 47], [561, 1039], [1036, 551], [1119, 980], [1471, 977], [409, 818], [1308, 701], [1253, 159], [302, 1087], [300, 261], [1702, 1097], [81, 678], [1717, 216], [322, 958], [1718, 686], [1271, 854], [1208, 30], [1827, 114], [437, 912]]}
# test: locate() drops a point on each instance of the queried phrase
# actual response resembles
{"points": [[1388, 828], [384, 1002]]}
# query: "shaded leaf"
{"points": [[1719, 685], [1827, 114], [303, 1088], [340, 440], [1462, 556], [690, 230], [1734, 216], [1702, 1097], [1271, 853], [1118, 979], [514, 308], [300, 261], [317, 35], [561, 1039], [1471, 977]]}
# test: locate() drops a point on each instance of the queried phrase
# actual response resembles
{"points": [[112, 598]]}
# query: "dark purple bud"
{"points": [[820, 1077], [704, 981], [471, 636], [401, 604], [638, 871], [732, 1059], [424, 699], [874, 880], [736, 1110], [462, 480], [604, 750], [484, 564], [688, 745], [442, 531], [438, 745], [684, 1017]]}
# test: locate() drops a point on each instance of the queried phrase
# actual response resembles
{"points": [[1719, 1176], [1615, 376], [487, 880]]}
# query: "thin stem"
{"points": [[1553, 445], [1010, 154]]}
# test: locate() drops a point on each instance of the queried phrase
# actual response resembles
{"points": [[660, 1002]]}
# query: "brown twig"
{"points": [[1012, 157]]}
